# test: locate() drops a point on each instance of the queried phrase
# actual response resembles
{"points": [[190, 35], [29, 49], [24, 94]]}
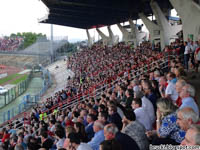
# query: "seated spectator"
{"points": [[114, 117], [33, 143], [101, 108], [179, 85], [111, 132], [167, 131], [155, 87], [76, 144], [6, 135], [98, 136], [135, 85], [135, 130], [187, 95], [19, 147], [192, 136], [186, 117], [83, 114], [162, 86], [110, 145], [179, 72], [60, 136], [120, 108], [20, 140], [89, 128], [12, 142], [129, 98], [148, 92], [141, 114], [47, 143], [68, 130], [157, 75], [80, 130], [103, 117]]}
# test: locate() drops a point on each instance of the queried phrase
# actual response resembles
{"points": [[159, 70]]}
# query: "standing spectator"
{"points": [[197, 58], [186, 55], [141, 114], [147, 105], [170, 91]]}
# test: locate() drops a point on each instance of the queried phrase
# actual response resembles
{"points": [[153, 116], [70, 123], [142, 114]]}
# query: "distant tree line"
{"points": [[68, 48], [29, 38]]}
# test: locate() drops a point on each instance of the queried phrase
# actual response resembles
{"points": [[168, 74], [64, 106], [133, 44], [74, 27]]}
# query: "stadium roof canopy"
{"points": [[87, 14]]}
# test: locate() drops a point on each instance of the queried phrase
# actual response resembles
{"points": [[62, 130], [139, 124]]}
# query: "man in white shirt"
{"points": [[170, 91], [135, 84], [141, 114], [147, 105]]}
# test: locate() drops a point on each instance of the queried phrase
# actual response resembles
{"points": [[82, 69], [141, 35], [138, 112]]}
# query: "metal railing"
{"points": [[164, 63]]}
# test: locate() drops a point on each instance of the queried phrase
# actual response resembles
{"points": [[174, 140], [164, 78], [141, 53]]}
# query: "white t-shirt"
{"points": [[60, 143], [148, 107], [143, 118], [171, 90], [187, 49], [84, 146], [136, 88]]}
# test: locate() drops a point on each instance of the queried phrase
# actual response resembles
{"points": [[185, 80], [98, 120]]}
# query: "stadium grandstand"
{"points": [[129, 95], [10, 44]]}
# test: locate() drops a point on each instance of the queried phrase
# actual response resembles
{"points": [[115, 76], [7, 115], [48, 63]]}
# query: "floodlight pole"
{"points": [[51, 45]]}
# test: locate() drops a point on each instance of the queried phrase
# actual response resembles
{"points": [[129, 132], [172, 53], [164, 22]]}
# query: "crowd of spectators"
{"points": [[145, 100], [10, 43]]}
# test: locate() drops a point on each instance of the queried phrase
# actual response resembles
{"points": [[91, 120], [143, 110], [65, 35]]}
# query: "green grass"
{"points": [[8, 78], [22, 78]]}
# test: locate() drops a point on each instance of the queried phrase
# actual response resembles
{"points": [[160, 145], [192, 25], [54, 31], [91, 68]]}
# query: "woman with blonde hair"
{"points": [[167, 131], [179, 72]]}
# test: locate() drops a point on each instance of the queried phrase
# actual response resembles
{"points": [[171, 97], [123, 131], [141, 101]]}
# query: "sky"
{"points": [[22, 16]]}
